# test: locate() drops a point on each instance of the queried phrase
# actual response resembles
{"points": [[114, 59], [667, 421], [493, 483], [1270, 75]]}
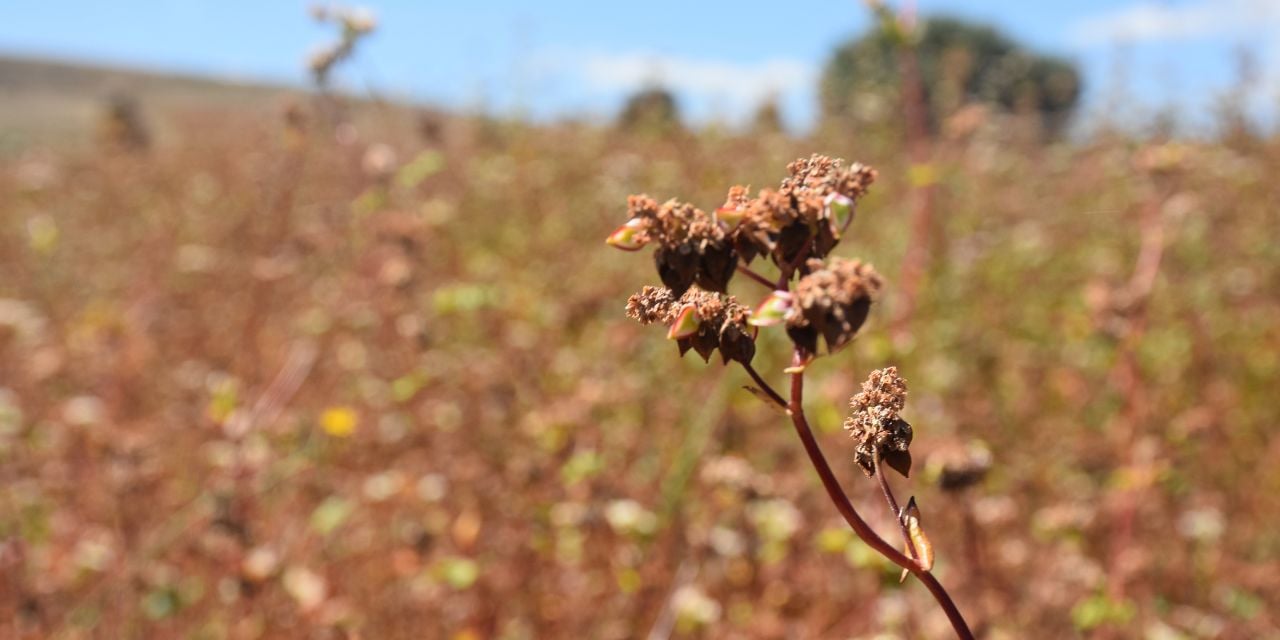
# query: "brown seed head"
{"points": [[833, 301], [783, 222], [652, 304], [722, 321], [876, 424], [692, 244]]}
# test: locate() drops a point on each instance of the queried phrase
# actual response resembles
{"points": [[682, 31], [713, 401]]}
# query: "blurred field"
{"points": [[273, 378]]}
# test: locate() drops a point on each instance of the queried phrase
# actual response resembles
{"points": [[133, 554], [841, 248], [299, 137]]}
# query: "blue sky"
{"points": [[553, 58]]}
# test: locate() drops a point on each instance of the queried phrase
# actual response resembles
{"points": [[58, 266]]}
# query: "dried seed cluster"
{"points": [[693, 247], [795, 225], [803, 217], [832, 301], [652, 304], [876, 424], [808, 211], [721, 323]]}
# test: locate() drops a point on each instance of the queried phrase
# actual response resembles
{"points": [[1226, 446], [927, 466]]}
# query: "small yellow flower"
{"points": [[339, 422]]}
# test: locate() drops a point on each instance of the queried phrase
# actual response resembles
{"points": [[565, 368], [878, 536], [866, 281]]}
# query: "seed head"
{"points": [[708, 321], [876, 425], [693, 246], [811, 208], [652, 304], [832, 301]]}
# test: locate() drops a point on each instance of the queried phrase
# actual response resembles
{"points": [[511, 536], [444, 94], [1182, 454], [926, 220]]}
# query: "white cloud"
{"points": [[731, 88], [1151, 21], [740, 82]]}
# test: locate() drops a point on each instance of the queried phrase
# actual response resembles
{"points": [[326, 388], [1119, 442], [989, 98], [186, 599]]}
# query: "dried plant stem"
{"points": [[748, 272], [764, 386], [920, 150], [893, 508], [1128, 377], [860, 526]]}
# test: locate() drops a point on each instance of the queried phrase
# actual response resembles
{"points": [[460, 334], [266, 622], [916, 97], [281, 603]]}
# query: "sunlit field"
{"points": [[343, 368]]}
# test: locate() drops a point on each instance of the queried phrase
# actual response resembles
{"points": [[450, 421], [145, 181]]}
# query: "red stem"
{"points": [[773, 395], [860, 526], [746, 271], [893, 507]]}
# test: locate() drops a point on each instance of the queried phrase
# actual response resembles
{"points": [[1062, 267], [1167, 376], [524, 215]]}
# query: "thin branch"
{"points": [[748, 272], [764, 386], [860, 526], [893, 506]]}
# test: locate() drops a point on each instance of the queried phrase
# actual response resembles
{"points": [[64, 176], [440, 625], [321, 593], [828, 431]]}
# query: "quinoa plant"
{"points": [[820, 301]]}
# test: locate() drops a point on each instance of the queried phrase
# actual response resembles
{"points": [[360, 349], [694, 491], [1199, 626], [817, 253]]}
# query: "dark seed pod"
{"points": [[704, 342], [825, 239], [716, 267], [899, 461], [791, 241], [805, 339], [736, 343], [747, 246], [677, 267], [699, 320], [833, 301]]}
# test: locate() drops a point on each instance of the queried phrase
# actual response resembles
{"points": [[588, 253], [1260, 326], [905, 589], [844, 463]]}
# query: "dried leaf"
{"points": [[768, 399]]}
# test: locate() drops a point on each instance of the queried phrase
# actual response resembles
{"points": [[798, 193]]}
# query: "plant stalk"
{"points": [[764, 386], [750, 273], [893, 507], [850, 514]]}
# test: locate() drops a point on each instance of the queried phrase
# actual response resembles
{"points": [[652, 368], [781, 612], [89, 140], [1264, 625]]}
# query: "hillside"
{"points": [[59, 102]]}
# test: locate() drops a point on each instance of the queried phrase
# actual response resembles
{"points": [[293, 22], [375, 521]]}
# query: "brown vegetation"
{"points": [[280, 380]]}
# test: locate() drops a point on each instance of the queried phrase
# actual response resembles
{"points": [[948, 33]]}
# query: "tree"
{"points": [[651, 110], [959, 62]]}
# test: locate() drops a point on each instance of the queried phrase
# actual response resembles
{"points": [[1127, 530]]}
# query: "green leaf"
{"points": [[330, 514]]}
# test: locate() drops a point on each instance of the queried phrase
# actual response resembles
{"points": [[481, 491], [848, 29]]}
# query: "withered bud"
{"points": [[708, 321], [833, 301], [876, 425]]}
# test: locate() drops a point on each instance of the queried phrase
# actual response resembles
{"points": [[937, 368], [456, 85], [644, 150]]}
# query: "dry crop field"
{"points": [[276, 375]]}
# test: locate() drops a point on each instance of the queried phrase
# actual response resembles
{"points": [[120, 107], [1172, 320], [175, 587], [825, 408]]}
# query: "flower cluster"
{"points": [[876, 425], [796, 225], [700, 320], [693, 247], [832, 301], [803, 218]]}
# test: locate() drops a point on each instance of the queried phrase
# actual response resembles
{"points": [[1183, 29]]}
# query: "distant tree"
{"points": [[653, 109], [768, 117], [959, 62]]}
